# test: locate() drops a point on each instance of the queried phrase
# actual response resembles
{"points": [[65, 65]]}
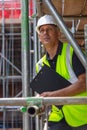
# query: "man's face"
{"points": [[48, 34]]}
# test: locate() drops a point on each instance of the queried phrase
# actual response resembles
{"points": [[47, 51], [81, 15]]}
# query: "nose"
{"points": [[46, 31]]}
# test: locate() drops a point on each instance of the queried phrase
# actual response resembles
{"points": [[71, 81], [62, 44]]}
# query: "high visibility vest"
{"points": [[75, 115]]}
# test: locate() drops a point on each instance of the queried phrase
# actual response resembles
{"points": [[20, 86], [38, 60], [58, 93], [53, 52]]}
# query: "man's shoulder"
{"points": [[42, 58], [40, 61]]}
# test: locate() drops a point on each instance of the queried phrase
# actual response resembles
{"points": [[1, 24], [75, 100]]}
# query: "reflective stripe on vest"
{"points": [[73, 77]]}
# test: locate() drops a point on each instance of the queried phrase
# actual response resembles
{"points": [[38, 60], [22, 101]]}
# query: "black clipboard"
{"points": [[48, 80]]}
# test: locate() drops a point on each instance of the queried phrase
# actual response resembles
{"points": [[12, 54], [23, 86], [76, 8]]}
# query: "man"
{"points": [[62, 58]]}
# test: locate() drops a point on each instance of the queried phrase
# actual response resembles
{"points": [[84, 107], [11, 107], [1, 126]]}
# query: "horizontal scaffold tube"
{"points": [[26, 101]]}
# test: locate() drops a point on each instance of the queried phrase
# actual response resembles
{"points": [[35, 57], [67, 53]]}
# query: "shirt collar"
{"points": [[59, 50]]}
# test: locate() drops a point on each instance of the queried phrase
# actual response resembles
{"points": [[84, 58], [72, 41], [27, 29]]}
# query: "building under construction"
{"points": [[20, 50]]}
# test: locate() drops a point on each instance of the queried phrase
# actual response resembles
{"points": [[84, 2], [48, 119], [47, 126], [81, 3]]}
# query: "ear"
{"points": [[58, 34]]}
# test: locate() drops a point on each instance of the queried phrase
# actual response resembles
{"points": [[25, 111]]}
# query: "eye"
{"points": [[48, 30], [42, 31]]}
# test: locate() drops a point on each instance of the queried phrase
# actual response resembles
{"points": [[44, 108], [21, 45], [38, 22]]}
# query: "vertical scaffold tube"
{"points": [[85, 32], [25, 57]]}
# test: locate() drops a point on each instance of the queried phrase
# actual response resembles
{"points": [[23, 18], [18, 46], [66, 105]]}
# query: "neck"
{"points": [[52, 50]]}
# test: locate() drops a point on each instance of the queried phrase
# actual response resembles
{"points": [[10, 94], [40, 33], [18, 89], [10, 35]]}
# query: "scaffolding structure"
{"points": [[10, 68], [19, 52], [11, 81]]}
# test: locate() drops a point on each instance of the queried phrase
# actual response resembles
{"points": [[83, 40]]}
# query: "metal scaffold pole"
{"points": [[40, 101], [85, 32], [65, 30], [25, 58]]}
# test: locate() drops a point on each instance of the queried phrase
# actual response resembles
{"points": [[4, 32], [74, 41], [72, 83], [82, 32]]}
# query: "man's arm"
{"points": [[77, 87], [72, 90]]}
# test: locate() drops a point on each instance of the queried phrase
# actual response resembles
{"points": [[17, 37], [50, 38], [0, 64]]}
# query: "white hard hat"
{"points": [[46, 19]]}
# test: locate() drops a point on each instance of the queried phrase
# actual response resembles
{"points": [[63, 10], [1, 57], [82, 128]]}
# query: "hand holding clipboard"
{"points": [[48, 80]]}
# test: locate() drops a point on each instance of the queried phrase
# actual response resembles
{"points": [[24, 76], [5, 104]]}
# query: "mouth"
{"points": [[46, 38]]}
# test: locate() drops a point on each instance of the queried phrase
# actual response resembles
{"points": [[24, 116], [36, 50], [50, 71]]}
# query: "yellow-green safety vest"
{"points": [[75, 115]]}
